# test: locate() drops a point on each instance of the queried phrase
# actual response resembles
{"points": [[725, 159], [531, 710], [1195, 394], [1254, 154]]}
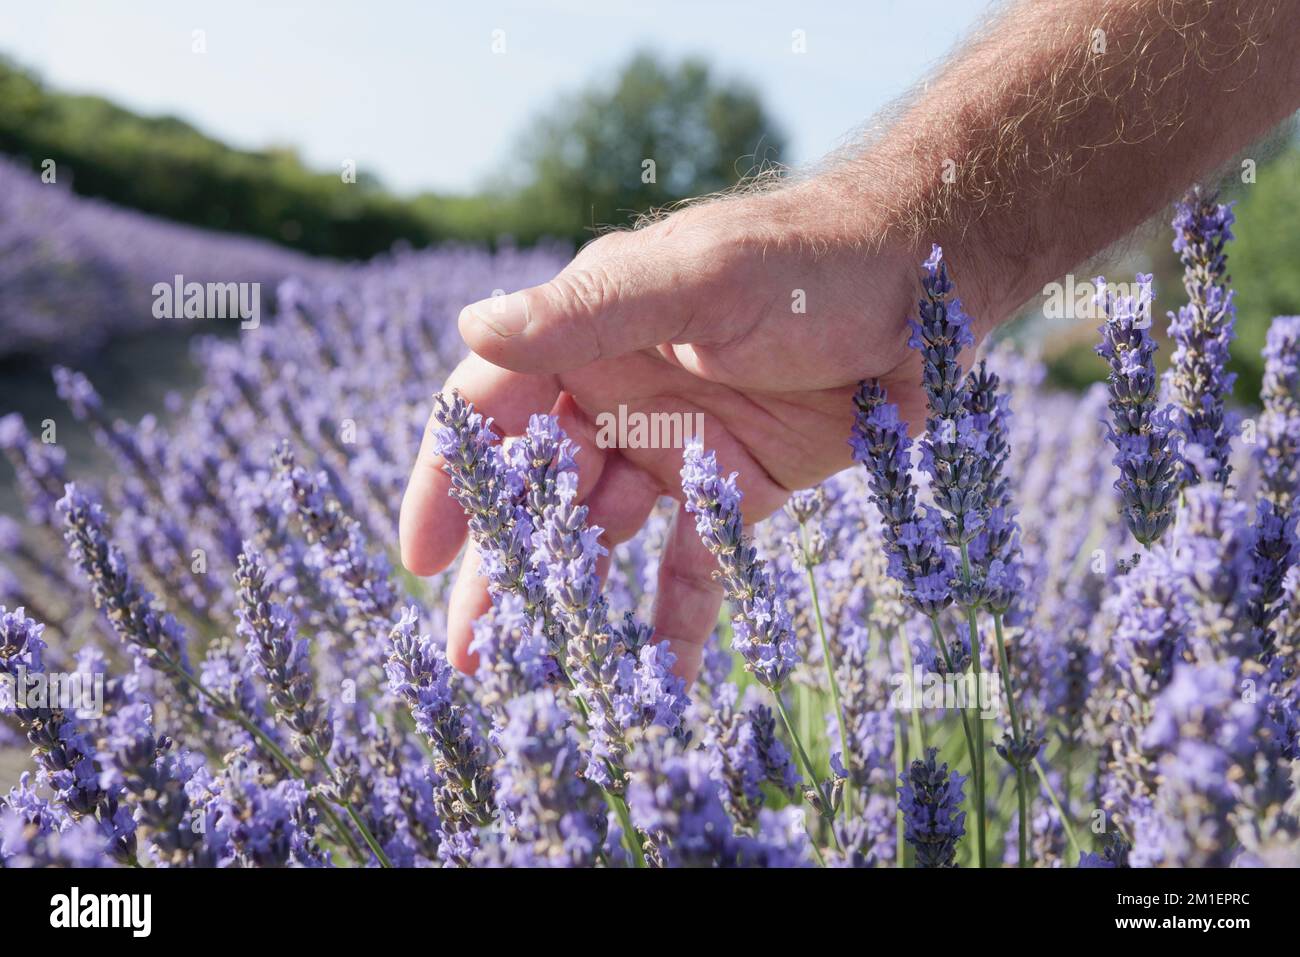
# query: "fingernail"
{"points": [[504, 315]]}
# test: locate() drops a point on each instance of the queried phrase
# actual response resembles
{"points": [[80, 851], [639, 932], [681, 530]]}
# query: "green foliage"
{"points": [[584, 163], [1261, 264], [164, 166]]}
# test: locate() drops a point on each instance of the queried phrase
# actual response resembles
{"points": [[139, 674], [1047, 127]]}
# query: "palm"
{"points": [[682, 317]]}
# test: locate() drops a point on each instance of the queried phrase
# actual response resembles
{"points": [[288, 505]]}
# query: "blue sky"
{"points": [[413, 92]]}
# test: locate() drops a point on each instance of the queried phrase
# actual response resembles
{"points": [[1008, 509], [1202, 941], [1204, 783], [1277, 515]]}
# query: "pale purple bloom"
{"points": [[762, 631], [419, 674], [918, 557], [1141, 432], [1203, 333], [554, 816]]}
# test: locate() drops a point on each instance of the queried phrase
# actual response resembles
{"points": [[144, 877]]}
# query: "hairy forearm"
{"points": [[1067, 123]]}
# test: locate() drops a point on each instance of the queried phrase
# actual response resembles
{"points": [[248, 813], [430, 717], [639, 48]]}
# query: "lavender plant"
{"points": [[1140, 431], [1203, 331], [276, 690]]}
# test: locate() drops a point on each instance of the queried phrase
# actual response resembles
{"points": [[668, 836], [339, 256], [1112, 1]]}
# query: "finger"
{"points": [[688, 597], [469, 601], [762, 495], [626, 292], [431, 525], [581, 431], [622, 500]]}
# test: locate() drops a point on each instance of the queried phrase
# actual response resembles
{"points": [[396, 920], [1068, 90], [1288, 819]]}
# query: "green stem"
{"points": [[825, 798], [1022, 798], [829, 660], [972, 738], [351, 812], [272, 748], [630, 835], [977, 671], [817, 853], [918, 742], [1067, 785], [1065, 818], [900, 827]]}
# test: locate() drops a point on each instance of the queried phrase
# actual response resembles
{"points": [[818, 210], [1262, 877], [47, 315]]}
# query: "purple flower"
{"points": [[1277, 448], [130, 609], [488, 491], [1275, 549], [514, 653], [1203, 333], [63, 751], [554, 816], [418, 673], [153, 776], [954, 451], [1141, 433], [361, 580], [248, 823], [1212, 551], [995, 549], [928, 799], [623, 680], [25, 843], [762, 631], [1208, 730], [39, 468], [746, 755], [281, 659], [918, 558], [675, 802], [1277, 456]]}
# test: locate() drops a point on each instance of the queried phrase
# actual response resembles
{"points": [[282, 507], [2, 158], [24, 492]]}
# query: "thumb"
{"points": [[623, 293]]}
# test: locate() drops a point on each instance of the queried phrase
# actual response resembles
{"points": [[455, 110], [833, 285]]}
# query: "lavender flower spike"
{"points": [[63, 751], [1147, 461], [763, 633], [622, 678], [1277, 454], [418, 673], [995, 550], [952, 451], [1277, 449], [556, 818], [1203, 331], [918, 559], [481, 485], [929, 799], [129, 607], [281, 658]]}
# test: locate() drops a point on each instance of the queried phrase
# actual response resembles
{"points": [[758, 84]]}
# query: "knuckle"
{"points": [[585, 291]]}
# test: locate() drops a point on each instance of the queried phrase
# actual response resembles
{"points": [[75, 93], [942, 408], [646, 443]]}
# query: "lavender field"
{"points": [[1054, 630]]}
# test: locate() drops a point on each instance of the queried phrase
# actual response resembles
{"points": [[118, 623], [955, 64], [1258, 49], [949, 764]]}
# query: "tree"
{"points": [[658, 134]]}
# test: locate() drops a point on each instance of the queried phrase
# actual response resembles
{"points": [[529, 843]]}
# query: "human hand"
{"points": [[694, 313]]}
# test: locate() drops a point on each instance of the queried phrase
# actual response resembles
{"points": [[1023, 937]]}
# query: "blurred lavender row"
{"points": [[74, 272]]}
